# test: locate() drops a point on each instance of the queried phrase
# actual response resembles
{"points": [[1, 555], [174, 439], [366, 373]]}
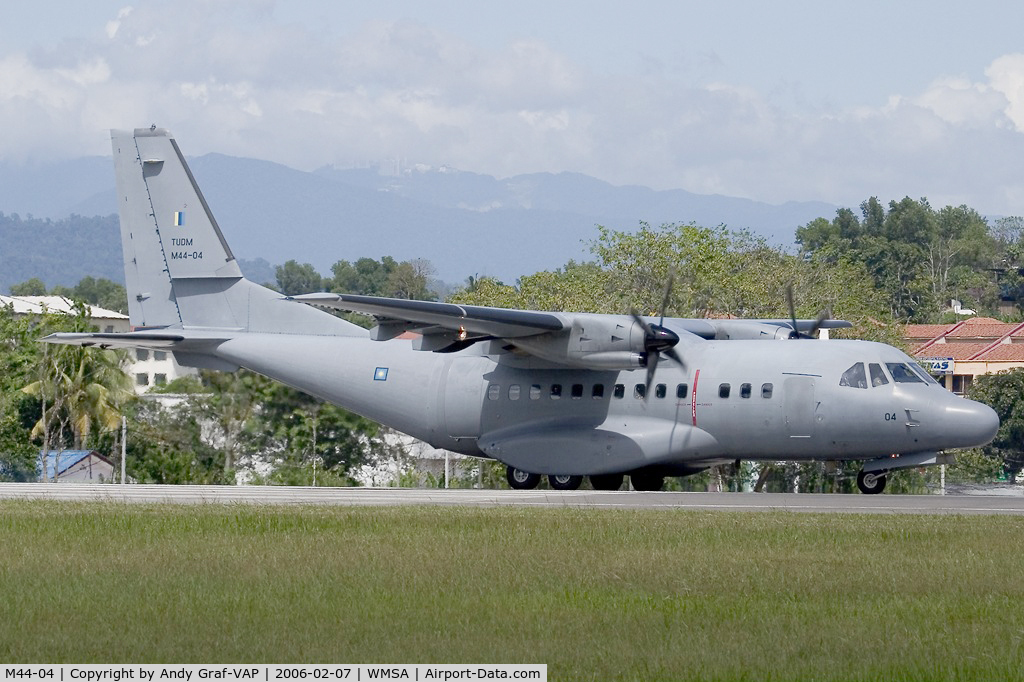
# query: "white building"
{"points": [[147, 368]]}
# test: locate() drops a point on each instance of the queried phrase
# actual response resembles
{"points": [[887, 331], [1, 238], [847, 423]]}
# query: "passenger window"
{"points": [[744, 390], [723, 390], [556, 391], [681, 391], [902, 374], [513, 392], [598, 392], [660, 391], [639, 391], [535, 392], [620, 391], [854, 377], [766, 390], [877, 375], [577, 391], [494, 391]]}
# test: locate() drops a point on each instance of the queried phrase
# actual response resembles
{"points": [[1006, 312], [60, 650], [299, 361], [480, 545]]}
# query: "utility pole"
{"points": [[124, 440]]}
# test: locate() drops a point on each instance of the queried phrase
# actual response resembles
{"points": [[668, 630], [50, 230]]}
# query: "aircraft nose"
{"points": [[970, 424]]}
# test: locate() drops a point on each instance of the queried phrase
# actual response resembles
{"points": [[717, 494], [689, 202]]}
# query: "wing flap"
{"points": [[397, 314]]}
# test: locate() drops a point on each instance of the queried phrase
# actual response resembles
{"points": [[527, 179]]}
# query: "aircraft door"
{"points": [[463, 396], [799, 406]]}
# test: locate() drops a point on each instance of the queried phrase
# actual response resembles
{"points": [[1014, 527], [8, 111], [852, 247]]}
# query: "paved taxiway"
{"points": [[273, 495]]}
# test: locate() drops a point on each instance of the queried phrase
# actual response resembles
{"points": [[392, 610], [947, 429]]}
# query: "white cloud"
{"points": [[228, 78]]}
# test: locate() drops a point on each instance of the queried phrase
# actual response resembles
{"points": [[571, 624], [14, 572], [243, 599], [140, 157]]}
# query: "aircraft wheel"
{"points": [[646, 482], [521, 480], [870, 483], [565, 482], [606, 481]]}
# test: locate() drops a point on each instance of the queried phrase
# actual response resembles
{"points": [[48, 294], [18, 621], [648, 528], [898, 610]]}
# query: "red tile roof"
{"points": [[1004, 352]]}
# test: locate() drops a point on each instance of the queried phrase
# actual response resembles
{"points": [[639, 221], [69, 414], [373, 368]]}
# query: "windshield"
{"points": [[903, 374]]}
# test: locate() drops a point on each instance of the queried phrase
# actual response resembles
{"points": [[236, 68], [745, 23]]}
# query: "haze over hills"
{"points": [[463, 223]]}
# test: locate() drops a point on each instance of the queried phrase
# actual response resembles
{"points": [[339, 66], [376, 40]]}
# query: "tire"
{"points": [[521, 480], [565, 482], [647, 482], [870, 483], [606, 481]]}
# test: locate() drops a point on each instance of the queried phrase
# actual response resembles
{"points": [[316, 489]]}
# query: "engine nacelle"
{"points": [[745, 330], [593, 342]]}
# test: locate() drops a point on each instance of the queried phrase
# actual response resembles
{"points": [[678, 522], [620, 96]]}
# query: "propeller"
{"points": [[657, 339], [824, 315]]}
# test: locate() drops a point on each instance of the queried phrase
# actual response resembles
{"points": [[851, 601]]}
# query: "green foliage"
{"points": [[919, 257], [1004, 393], [30, 287], [716, 272], [294, 279], [386, 277]]}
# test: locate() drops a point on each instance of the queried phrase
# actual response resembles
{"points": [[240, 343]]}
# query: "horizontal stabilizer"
{"points": [[176, 340]]}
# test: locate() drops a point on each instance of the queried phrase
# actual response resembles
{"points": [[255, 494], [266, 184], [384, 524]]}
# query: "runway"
{"points": [[752, 502]]}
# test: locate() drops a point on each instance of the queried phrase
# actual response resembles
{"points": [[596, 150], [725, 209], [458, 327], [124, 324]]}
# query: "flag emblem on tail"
{"points": [[179, 218]]}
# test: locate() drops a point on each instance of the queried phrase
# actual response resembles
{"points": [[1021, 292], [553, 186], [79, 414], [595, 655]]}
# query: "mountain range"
{"points": [[464, 223]]}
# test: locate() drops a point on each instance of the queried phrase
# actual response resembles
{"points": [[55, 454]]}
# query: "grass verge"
{"points": [[595, 594]]}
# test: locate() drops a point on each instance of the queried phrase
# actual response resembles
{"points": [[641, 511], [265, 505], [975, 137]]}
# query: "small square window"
{"points": [[494, 391], [681, 391], [142, 379], [723, 390], [766, 390], [620, 391], [142, 354], [535, 392], [660, 391], [577, 391], [159, 379], [639, 391], [744, 390], [556, 391], [513, 392], [160, 355], [598, 392]]}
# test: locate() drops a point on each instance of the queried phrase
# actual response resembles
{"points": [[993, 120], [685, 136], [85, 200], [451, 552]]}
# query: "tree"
{"points": [[294, 279], [31, 287], [80, 390], [1004, 393], [920, 258]]}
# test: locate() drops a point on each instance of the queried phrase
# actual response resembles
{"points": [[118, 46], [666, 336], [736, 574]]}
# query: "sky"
{"points": [[791, 100]]}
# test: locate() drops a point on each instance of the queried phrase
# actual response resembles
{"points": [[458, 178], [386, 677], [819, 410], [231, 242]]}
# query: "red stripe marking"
{"points": [[693, 398]]}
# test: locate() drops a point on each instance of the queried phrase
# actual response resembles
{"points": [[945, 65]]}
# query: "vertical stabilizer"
{"points": [[179, 269]]}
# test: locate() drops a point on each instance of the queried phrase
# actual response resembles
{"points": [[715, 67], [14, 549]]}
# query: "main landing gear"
{"points": [[524, 480], [871, 483]]}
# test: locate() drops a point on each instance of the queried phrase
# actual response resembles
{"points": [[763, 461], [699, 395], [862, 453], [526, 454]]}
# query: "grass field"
{"points": [[595, 594]]}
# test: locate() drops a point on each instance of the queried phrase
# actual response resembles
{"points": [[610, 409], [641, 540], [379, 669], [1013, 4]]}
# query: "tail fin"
{"points": [[179, 269]]}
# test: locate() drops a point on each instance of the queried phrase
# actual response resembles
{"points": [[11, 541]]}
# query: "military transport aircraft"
{"points": [[565, 395]]}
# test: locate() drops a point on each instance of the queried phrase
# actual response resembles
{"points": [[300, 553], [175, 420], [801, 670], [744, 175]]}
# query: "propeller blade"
{"points": [[792, 308]]}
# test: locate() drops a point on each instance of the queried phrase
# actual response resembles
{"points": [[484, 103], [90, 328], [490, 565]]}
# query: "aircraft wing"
{"points": [[396, 315]]}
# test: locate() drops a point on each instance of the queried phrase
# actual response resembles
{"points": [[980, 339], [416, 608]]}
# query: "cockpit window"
{"points": [[921, 372], [854, 377], [902, 374], [877, 375]]}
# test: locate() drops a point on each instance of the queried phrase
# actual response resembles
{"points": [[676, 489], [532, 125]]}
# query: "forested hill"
{"points": [[59, 252], [463, 223]]}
